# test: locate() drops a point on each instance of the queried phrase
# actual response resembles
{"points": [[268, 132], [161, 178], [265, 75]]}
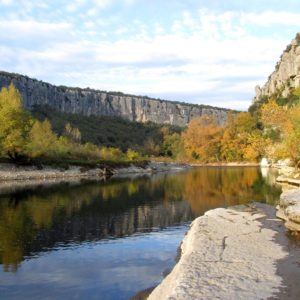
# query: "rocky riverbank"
{"points": [[12, 172], [289, 209], [236, 253]]}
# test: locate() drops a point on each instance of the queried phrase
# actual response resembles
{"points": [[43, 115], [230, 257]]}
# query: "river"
{"points": [[110, 239]]}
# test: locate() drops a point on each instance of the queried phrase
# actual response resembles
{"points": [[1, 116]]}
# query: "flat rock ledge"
{"points": [[289, 209], [288, 180], [228, 254]]}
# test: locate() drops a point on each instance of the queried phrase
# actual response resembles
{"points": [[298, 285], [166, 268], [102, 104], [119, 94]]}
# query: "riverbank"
{"points": [[12, 172], [288, 208], [236, 253], [289, 175]]}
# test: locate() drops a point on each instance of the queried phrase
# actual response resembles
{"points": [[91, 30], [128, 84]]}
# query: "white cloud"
{"points": [[270, 18], [201, 53], [31, 26], [6, 2], [29, 33], [102, 3]]}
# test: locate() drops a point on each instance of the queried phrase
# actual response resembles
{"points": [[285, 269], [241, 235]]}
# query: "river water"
{"points": [[109, 240]]}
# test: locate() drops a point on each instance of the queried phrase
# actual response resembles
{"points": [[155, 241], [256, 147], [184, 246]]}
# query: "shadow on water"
{"points": [[46, 219]]}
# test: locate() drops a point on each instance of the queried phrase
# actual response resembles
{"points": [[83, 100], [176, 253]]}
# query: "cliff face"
{"points": [[93, 102], [286, 75]]}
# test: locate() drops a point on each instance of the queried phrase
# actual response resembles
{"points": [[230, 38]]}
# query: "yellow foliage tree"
{"points": [[274, 116], [73, 134], [241, 139], [15, 123], [42, 140], [132, 155], [202, 139], [230, 149]]}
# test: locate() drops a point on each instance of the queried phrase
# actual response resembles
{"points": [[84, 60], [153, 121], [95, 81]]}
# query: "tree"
{"points": [[132, 155], [242, 140], [230, 149], [151, 148], [42, 140], [73, 134], [15, 123], [275, 117], [202, 139], [173, 146]]}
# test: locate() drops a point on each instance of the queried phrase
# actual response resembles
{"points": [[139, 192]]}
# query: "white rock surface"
{"points": [[289, 209], [293, 213], [226, 254], [291, 197]]}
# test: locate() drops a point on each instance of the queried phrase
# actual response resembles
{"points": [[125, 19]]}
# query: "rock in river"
{"points": [[230, 254], [289, 209]]}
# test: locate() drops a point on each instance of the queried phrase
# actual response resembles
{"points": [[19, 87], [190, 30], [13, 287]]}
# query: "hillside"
{"points": [[106, 131], [89, 102]]}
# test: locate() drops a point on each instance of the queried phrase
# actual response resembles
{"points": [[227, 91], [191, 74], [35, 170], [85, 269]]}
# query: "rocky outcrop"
{"points": [[286, 75], [229, 254], [289, 209], [89, 102]]}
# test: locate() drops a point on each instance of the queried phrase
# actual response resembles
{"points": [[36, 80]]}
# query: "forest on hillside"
{"points": [[271, 128]]}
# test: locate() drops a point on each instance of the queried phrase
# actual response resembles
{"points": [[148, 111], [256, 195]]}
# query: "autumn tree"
{"points": [[202, 139], [230, 149], [15, 123], [290, 143], [151, 148], [278, 127], [275, 117], [42, 140], [73, 134], [131, 154], [242, 140]]}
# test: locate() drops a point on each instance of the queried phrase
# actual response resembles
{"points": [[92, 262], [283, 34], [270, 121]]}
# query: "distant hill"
{"points": [[89, 102], [107, 131]]}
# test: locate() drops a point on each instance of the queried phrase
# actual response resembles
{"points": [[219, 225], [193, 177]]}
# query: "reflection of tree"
{"points": [[16, 233], [38, 220], [207, 188]]}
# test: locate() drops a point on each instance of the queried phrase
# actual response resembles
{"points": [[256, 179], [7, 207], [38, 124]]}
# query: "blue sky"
{"points": [[210, 52]]}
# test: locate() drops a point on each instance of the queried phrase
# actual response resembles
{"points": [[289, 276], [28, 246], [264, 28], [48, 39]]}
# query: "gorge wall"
{"points": [[89, 102], [286, 75]]}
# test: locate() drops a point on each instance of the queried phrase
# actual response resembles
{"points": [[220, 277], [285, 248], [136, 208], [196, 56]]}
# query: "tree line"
{"points": [[24, 138], [271, 128]]}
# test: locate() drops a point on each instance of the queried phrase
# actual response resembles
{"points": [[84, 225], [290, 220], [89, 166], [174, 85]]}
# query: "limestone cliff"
{"points": [[100, 103], [286, 75]]}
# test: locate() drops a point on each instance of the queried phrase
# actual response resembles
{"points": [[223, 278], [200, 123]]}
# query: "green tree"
{"points": [[15, 123], [173, 146]]}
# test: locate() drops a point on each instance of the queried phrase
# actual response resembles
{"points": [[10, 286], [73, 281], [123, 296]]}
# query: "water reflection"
{"points": [[41, 219]]}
